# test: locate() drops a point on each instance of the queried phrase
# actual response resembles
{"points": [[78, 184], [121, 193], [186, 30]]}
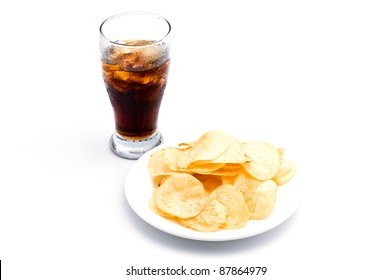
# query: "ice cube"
{"points": [[131, 61], [111, 54]]}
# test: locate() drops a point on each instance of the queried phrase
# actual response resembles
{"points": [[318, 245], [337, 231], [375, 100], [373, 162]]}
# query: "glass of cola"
{"points": [[135, 57]]}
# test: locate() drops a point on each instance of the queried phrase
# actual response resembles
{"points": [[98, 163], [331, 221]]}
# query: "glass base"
{"points": [[134, 149]]}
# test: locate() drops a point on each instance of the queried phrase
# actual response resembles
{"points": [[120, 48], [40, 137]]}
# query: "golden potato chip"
{"points": [[217, 182], [259, 196], [159, 180], [245, 183], [226, 170], [172, 156], [207, 148], [157, 165], [154, 208], [264, 162], [232, 198], [210, 182], [228, 180], [285, 172], [206, 168], [281, 152], [211, 218], [181, 195], [233, 154], [261, 200], [186, 145]]}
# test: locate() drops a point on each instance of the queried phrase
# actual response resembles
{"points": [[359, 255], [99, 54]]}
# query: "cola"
{"points": [[135, 74]]}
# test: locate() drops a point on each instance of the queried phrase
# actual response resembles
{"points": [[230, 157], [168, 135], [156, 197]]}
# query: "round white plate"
{"points": [[139, 188]]}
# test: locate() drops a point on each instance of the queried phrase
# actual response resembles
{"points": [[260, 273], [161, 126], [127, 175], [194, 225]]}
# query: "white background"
{"points": [[311, 76]]}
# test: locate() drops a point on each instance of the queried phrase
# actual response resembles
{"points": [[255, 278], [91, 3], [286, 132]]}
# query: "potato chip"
{"points": [[232, 198], [259, 196], [159, 180], [181, 195], [285, 172], [260, 201], [186, 145], [224, 171], [154, 208], [210, 145], [157, 165], [211, 218], [233, 154], [264, 162], [281, 152], [172, 156], [240, 182], [217, 182], [206, 168], [228, 180], [210, 182]]}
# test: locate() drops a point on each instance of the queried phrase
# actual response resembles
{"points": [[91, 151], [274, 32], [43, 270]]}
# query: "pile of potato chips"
{"points": [[217, 182]]}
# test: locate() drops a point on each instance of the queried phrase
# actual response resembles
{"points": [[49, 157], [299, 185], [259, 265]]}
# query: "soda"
{"points": [[135, 80]]}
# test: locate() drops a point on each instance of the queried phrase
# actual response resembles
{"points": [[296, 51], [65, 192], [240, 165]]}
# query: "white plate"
{"points": [[139, 188]]}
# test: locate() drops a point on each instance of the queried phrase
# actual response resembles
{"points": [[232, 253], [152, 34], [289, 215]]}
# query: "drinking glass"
{"points": [[135, 56]]}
